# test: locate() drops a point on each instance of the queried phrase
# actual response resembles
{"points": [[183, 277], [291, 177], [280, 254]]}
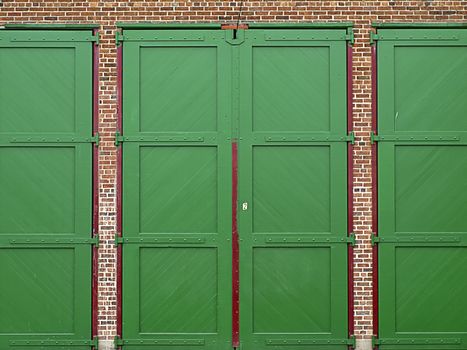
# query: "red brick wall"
{"points": [[107, 12]]}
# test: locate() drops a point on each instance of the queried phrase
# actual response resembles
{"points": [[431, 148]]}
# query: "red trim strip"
{"points": [[95, 186], [235, 252], [119, 186], [350, 259], [374, 191]]}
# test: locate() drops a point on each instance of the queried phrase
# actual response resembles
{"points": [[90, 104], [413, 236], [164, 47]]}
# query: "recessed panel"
{"points": [[291, 89], [178, 290], [430, 289], [178, 189], [291, 189], [37, 90], [431, 188], [291, 290], [37, 290], [430, 88], [37, 187], [178, 89]]}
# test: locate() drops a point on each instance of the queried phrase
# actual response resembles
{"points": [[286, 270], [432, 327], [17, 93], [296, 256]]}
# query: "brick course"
{"points": [[106, 13]]}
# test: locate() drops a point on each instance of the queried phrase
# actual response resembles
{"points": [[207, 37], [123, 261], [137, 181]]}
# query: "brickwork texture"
{"points": [[107, 12]]}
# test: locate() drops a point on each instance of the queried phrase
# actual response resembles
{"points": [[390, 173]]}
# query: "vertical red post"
{"points": [[374, 180], [95, 185], [119, 186], [235, 251], [350, 222]]}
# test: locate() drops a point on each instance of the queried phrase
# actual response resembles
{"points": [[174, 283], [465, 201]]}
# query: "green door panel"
{"points": [[297, 281], [196, 71], [422, 85], [177, 190], [192, 194], [302, 103], [292, 190], [46, 189], [276, 172]]}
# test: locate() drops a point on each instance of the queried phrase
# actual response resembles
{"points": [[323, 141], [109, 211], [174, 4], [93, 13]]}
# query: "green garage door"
{"points": [[189, 95], [293, 190], [422, 88], [45, 189]]}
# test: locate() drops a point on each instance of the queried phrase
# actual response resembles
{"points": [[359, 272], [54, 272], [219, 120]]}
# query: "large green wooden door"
{"points": [[422, 148], [293, 189], [177, 189], [45, 189], [280, 95]]}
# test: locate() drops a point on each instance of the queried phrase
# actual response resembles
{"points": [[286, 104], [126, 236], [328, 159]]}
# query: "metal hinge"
{"points": [[350, 37], [118, 37], [118, 341], [118, 239], [118, 138], [351, 239], [374, 239], [56, 342], [374, 341], [96, 38], [373, 37], [351, 137], [352, 341]]}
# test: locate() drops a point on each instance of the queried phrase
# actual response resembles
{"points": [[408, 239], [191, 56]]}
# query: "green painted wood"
{"points": [[177, 190], [422, 88], [292, 292], [43, 26], [168, 25], [301, 25], [281, 94], [418, 25], [45, 88]]}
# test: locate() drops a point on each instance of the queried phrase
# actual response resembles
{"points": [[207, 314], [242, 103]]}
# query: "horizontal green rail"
{"points": [[295, 342], [54, 139], [417, 341], [310, 240], [414, 37], [417, 240], [312, 35], [159, 342], [442, 138], [301, 25], [419, 25], [164, 240], [20, 36], [168, 25], [55, 342], [53, 241], [42, 26], [311, 138]]}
